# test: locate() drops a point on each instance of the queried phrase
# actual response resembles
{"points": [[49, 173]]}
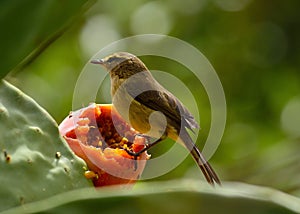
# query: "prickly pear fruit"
{"points": [[106, 142]]}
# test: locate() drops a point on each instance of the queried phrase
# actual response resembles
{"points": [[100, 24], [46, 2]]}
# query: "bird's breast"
{"points": [[139, 116]]}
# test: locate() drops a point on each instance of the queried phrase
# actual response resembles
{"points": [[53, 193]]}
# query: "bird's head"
{"points": [[122, 64]]}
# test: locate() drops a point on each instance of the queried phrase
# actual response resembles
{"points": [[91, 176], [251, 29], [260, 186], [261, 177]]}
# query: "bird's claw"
{"points": [[135, 156]]}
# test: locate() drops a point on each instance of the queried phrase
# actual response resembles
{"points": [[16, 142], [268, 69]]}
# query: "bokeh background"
{"points": [[253, 46]]}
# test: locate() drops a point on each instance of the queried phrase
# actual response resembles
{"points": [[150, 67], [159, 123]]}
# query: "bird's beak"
{"points": [[97, 61]]}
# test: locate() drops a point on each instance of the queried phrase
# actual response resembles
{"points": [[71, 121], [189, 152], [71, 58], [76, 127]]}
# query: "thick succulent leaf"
{"points": [[170, 197], [30, 25], [35, 162]]}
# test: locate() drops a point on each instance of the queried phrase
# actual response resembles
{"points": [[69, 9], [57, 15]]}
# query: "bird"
{"points": [[137, 95]]}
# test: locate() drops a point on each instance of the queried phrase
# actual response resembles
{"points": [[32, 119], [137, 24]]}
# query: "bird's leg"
{"points": [[147, 146]]}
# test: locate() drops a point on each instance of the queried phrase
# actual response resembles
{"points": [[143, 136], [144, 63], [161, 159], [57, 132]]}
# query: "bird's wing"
{"points": [[151, 94]]}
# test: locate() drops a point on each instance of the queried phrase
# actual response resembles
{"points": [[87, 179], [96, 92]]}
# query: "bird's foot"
{"points": [[147, 146], [135, 156]]}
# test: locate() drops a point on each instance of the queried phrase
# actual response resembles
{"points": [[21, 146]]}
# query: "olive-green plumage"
{"points": [[137, 95]]}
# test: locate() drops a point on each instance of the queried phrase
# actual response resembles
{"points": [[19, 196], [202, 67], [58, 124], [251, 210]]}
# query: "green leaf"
{"points": [[28, 26], [185, 196], [35, 162]]}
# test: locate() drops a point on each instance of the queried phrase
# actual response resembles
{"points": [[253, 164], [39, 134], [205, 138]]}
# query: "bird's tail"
{"points": [[205, 167]]}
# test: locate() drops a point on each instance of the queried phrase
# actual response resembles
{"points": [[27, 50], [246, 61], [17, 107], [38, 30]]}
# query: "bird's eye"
{"points": [[110, 60]]}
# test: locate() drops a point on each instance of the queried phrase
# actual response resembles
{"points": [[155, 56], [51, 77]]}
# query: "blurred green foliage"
{"points": [[169, 197], [252, 44], [29, 24]]}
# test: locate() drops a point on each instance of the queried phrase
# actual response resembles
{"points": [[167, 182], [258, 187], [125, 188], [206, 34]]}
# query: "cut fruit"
{"points": [[99, 136]]}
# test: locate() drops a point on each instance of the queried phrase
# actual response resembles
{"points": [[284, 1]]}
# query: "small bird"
{"points": [[136, 96]]}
